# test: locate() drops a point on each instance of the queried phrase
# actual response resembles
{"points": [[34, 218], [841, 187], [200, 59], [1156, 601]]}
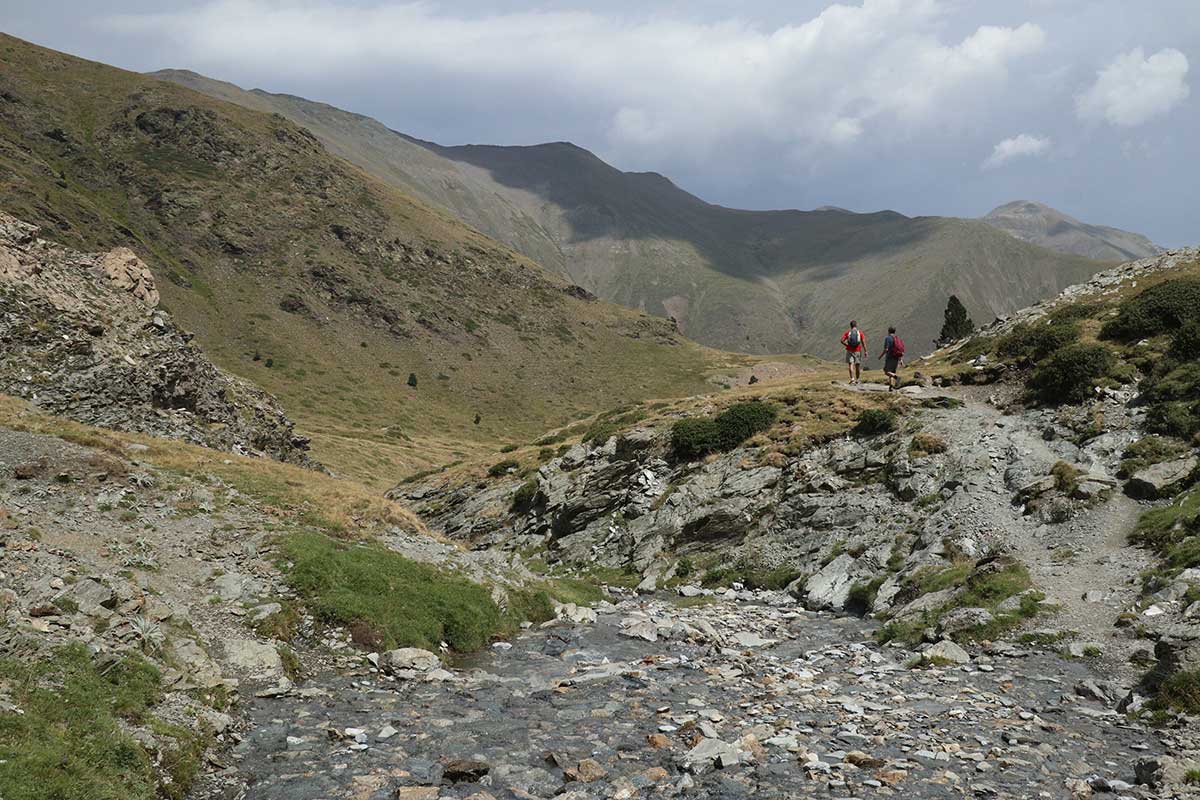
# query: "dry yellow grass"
{"points": [[335, 505]]}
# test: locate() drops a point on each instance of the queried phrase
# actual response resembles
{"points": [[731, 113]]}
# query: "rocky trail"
{"points": [[742, 695]]}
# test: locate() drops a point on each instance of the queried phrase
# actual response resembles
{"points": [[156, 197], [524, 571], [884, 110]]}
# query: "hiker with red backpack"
{"points": [[855, 342], [893, 352]]}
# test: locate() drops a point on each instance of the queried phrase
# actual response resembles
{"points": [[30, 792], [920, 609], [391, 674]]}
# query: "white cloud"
{"points": [[1134, 89], [1020, 146], [881, 70]]}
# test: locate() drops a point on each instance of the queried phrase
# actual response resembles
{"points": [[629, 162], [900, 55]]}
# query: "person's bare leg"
{"points": [[850, 369]]}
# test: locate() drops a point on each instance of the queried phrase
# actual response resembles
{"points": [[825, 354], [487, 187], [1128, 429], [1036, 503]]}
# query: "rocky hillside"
{"points": [[321, 284], [984, 585], [1046, 227], [749, 281], [1031, 486], [83, 337]]}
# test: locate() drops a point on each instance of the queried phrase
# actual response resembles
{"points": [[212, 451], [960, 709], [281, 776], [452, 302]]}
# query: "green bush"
{"points": [[523, 498], [874, 421], [1173, 400], [1185, 341], [391, 600], [1068, 375], [502, 467], [1029, 344], [693, 438], [1160, 309], [697, 437]]}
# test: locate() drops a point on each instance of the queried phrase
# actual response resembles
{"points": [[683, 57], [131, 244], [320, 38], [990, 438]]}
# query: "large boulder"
{"points": [[1162, 480], [830, 588]]}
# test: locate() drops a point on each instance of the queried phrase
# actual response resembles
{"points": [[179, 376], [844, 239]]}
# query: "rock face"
{"points": [[1162, 480], [832, 519], [83, 337]]}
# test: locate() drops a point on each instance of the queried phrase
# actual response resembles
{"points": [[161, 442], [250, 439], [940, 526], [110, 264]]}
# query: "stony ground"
{"points": [[740, 696]]}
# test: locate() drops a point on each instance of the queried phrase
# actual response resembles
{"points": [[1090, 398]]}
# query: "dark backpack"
{"points": [[855, 339], [897, 347]]}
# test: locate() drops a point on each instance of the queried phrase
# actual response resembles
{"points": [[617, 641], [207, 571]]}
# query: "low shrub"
{"points": [[1172, 396], [1069, 374], [697, 437], [502, 467], [1028, 344], [1162, 308], [874, 421], [524, 497]]}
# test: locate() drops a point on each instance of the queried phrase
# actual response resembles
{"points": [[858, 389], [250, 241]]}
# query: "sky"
{"points": [[947, 107]]}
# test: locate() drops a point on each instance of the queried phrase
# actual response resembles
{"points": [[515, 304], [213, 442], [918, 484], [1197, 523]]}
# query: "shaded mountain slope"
{"points": [[320, 283], [1047, 227], [753, 281]]}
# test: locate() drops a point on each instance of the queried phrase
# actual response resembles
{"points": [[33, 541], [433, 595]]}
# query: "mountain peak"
{"points": [[1035, 222]]}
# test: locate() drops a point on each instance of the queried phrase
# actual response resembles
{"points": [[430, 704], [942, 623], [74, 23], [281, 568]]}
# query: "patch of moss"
{"points": [[874, 421], [697, 437]]}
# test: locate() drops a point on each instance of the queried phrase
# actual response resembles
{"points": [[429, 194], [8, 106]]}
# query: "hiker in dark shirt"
{"points": [[893, 355]]}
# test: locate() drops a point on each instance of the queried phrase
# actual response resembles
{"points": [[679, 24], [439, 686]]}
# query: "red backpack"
{"points": [[897, 347]]}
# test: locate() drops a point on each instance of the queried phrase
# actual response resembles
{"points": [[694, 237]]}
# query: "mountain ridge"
{"points": [[323, 284], [750, 281], [1039, 223]]}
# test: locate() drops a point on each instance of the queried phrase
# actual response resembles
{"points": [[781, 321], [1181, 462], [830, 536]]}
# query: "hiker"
{"points": [[855, 342], [893, 352]]}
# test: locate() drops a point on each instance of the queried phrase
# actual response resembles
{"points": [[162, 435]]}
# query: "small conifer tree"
{"points": [[957, 323]]}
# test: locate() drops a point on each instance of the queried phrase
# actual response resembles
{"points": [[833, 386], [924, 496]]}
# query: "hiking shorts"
{"points": [[891, 364], [853, 357]]}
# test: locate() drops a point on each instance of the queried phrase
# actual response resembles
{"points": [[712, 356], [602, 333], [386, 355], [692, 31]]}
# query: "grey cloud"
{"points": [[867, 105]]}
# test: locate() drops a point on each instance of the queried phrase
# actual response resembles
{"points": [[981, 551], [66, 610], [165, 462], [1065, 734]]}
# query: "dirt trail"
{"points": [[1067, 560]]}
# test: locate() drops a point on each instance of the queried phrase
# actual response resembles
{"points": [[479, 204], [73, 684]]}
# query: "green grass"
{"points": [[978, 589], [1149, 450], [750, 575], [1162, 308], [388, 600], [71, 744]]}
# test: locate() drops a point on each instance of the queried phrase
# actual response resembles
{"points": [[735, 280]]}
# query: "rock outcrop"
{"points": [[82, 337]]}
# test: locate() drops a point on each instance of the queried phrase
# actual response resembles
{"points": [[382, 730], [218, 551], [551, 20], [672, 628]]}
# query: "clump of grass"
{"points": [[874, 421], [72, 739], [696, 437], [1066, 476], [751, 575], [1179, 692], [386, 599], [1148, 451], [525, 495], [980, 586], [862, 595], [926, 444]]}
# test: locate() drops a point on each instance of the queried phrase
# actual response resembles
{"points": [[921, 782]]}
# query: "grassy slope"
{"points": [[750, 281], [235, 210]]}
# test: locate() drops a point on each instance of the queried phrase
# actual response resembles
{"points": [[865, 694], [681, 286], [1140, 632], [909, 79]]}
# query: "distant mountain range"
{"points": [[317, 281], [1046, 227], [752, 281]]}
